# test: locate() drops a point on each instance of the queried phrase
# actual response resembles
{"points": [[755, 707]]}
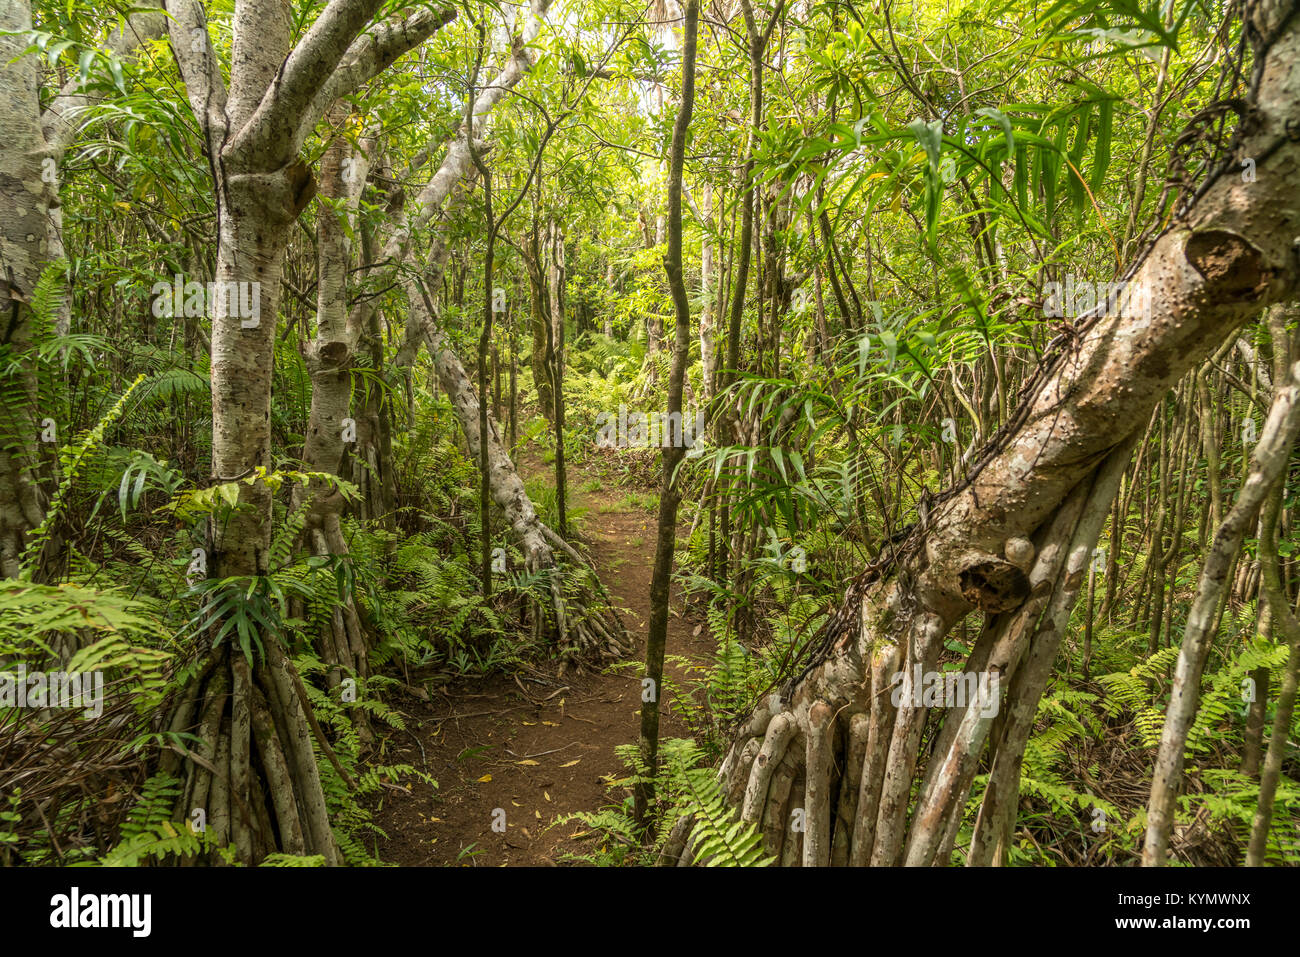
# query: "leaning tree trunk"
{"points": [[1012, 541], [582, 628]]}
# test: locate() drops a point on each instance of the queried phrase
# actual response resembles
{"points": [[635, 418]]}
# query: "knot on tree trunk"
{"points": [[994, 585], [1231, 265], [331, 355], [279, 195]]}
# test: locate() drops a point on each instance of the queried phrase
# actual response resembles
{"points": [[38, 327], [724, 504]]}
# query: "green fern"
{"points": [[721, 838], [150, 833]]}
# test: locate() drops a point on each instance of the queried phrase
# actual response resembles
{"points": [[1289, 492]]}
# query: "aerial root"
{"points": [[780, 731], [675, 846], [252, 776], [819, 763], [855, 749], [589, 630]]}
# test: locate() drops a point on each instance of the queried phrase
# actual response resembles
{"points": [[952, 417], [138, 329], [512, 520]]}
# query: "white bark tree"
{"points": [[253, 131], [331, 425]]}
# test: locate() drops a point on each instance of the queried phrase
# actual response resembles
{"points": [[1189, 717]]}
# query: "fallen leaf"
{"points": [[550, 724], [485, 779], [528, 762], [531, 724], [538, 815], [571, 763], [546, 795]]}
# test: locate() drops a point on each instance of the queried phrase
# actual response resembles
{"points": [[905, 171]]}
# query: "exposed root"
{"points": [[254, 777], [589, 631], [780, 731]]}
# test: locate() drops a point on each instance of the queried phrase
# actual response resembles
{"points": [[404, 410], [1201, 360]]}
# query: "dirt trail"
{"points": [[533, 752]]}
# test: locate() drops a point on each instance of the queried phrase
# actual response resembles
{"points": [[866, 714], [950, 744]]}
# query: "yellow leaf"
{"points": [[529, 763], [531, 724], [546, 795], [550, 724], [515, 803], [571, 763], [538, 815], [485, 779]]}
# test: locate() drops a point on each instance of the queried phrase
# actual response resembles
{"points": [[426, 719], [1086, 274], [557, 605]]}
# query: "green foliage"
{"points": [[724, 840], [149, 833], [681, 788], [911, 209], [293, 860], [71, 459]]}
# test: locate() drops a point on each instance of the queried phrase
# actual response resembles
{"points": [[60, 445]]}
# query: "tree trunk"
{"points": [[674, 447], [253, 132], [1268, 461], [331, 427]]}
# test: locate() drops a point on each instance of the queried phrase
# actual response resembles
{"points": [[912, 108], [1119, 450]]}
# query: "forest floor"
{"points": [[541, 752]]}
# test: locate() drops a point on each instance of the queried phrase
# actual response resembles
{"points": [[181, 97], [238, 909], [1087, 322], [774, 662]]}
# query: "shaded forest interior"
{"points": [[732, 432]]}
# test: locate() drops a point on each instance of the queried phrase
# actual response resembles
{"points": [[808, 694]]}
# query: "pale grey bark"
{"points": [[25, 202], [332, 428], [456, 170], [458, 164], [506, 487], [253, 132]]}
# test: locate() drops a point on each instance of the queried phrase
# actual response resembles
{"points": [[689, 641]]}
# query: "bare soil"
{"points": [[531, 750]]}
